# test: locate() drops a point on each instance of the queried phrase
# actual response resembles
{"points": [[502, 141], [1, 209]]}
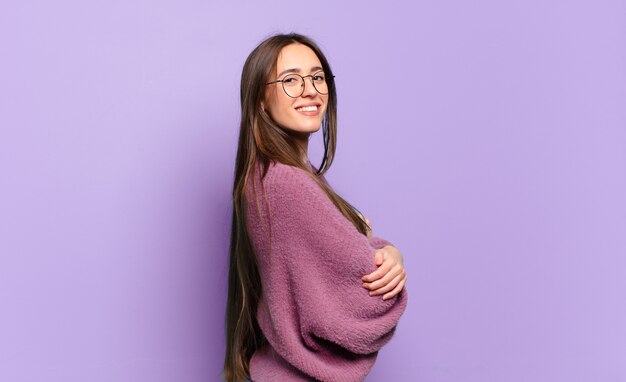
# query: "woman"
{"points": [[302, 259]]}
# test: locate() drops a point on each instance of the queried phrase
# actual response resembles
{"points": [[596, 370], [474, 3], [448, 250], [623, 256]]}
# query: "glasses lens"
{"points": [[293, 85], [319, 81]]}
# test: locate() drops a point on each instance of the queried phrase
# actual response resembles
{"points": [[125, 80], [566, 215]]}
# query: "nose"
{"points": [[309, 89]]}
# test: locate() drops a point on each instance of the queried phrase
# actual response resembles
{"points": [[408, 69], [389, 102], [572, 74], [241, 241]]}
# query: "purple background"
{"points": [[486, 139]]}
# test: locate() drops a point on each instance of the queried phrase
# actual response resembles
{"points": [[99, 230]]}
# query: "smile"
{"points": [[307, 108]]}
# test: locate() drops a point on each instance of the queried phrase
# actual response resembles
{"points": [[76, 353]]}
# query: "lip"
{"points": [[309, 113]]}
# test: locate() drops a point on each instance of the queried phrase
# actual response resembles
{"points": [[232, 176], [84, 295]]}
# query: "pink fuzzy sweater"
{"points": [[319, 321]]}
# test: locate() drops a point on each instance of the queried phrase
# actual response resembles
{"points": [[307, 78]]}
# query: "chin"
{"points": [[307, 128], [313, 129], [303, 127], [313, 126], [303, 132]]}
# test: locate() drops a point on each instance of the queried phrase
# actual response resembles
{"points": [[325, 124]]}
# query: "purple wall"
{"points": [[486, 140]]}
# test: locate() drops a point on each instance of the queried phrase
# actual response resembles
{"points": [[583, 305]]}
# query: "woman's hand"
{"points": [[390, 276]]}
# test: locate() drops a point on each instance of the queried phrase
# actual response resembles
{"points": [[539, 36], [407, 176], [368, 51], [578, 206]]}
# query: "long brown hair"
{"points": [[262, 140]]}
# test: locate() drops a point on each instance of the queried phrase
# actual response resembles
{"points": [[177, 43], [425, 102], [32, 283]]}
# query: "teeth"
{"points": [[307, 108]]}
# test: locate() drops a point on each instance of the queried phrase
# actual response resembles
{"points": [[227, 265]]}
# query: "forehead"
{"points": [[296, 56]]}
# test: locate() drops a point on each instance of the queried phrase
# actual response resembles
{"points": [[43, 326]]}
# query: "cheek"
{"points": [[282, 106], [275, 99], [325, 106]]}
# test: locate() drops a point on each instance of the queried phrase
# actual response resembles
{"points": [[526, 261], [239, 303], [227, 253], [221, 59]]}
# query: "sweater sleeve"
{"points": [[375, 241], [378, 242], [325, 257]]}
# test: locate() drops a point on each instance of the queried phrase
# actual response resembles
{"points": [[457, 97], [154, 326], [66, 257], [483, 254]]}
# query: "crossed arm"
{"points": [[390, 277]]}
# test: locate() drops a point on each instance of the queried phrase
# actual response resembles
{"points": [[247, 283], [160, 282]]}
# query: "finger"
{"points": [[388, 287], [378, 257], [380, 272], [387, 264], [389, 276], [385, 279], [396, 290]]}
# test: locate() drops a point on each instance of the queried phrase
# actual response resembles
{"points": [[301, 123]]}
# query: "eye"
{"points": [[318, 77], [291, 80]]}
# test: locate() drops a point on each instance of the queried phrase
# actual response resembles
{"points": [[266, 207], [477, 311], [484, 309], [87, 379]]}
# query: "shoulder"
{"points": [[286, 185], [291, 189], [287, 179]]}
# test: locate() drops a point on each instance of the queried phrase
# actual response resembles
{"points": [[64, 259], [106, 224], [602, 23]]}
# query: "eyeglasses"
{"points": [[293, 84]]}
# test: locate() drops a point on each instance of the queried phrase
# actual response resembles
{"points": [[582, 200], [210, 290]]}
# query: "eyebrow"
{"points": [[297, 70]]}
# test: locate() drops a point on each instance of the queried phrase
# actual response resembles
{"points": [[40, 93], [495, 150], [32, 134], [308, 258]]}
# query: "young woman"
{"points": [[312, 294]]}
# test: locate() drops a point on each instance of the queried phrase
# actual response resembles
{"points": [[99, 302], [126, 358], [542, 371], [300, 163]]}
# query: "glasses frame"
{"points": [[326, 78]]}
